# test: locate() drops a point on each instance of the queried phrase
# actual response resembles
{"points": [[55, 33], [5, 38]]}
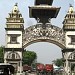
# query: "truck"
{"points": [[48, 67], [40, 67]]}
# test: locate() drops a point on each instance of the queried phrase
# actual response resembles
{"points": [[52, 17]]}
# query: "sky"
{"points": [[46, 52]]}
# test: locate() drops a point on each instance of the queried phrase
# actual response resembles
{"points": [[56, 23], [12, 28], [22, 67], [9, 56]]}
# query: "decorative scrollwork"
{"points": [[13, 55], [72, 55], [51, 34]]}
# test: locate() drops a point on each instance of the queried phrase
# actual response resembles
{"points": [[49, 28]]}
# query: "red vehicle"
{"points": [[26, 68], [40, 67], [48, 67]]}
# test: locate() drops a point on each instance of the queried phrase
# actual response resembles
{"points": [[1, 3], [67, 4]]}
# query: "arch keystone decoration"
{"points": [[51, 33]]}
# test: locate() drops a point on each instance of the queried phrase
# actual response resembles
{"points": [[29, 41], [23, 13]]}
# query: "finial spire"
{"points": [[71, 9], [70, 5], [15, 8], [16, 4]]}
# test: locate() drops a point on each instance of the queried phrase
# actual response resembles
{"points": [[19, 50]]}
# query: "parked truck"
{"points": [[46, 69], [40, 67], [49, 69]]}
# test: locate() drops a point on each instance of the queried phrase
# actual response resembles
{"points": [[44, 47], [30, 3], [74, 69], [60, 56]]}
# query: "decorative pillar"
{"points": [[14, 32], [69, 30]]}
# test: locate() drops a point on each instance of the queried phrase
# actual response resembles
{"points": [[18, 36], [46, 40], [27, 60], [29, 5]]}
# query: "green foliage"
{"points": [[1, 54], [58, 62], [29, 57]]}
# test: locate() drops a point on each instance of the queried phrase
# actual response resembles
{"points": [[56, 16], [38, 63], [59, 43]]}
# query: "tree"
{"points": [[58, 62], [29, 57], [1, 54]]}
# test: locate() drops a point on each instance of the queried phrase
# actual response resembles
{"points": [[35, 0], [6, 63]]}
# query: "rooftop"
{"points": [[46, 2]]}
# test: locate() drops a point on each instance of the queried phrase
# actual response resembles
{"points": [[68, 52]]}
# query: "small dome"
{"points": [[15, 9], [71, 9]]}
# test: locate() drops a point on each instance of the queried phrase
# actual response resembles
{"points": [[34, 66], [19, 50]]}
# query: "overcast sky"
{"points": [[46, 52]]}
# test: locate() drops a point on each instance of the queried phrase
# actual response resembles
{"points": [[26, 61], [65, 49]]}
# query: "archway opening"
{"points": [[46, 52]]}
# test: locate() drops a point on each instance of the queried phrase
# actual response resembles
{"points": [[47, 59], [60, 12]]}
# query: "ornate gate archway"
{"points": [[17, 38], [51, 33]]}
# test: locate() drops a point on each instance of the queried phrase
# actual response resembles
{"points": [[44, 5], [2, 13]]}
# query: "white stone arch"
{"points": [[50, 33]]}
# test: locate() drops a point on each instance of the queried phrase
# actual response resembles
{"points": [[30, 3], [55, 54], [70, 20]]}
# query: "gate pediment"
{"points": [[50, 33]]}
